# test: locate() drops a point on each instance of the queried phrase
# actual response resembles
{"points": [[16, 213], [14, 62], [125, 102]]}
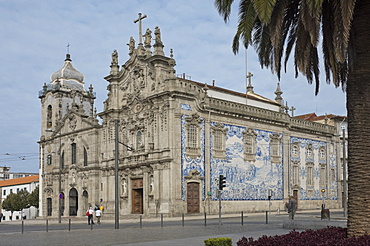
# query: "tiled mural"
{"points": [[251, 180], [302, 158], [247, 180]]}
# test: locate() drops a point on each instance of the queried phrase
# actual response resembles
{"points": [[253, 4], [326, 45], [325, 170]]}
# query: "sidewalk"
{"points": [[254, 226]]}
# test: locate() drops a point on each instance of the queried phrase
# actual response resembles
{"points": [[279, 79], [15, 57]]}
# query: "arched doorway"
{"points": [[192, 197], [49, 206], [73, 202], [85, 199]]}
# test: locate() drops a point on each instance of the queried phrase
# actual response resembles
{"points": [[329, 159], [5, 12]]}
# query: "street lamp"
{"points": [[60, 195]]}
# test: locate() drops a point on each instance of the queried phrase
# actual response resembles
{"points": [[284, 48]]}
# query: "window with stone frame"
{"points": [[322, 174], [49, 117], [139, 140], [85, 157], [275, 148], [295, 172], [62, 160], [310, 174], [322, 153], [309, 151], [249, 145], [295, 150], [74, 153], [49, 159], [219, 141], [193, 136], [332, 175]]}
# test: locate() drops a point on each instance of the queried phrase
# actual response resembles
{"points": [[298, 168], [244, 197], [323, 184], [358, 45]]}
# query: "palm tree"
{"points": [[277, 27]]}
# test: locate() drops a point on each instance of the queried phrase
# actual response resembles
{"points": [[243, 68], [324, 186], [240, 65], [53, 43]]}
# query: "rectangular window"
{"points": [[310, 175], [332, 175], [4, 192], [74, 150], [322, 175], [249, 144], [192, 136], [295, 174]]}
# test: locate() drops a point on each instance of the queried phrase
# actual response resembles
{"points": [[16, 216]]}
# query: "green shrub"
{"points": [[220, 241]]}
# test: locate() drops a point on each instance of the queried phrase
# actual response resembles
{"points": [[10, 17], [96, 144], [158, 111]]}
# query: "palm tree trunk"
{"points": [[358, 107]]}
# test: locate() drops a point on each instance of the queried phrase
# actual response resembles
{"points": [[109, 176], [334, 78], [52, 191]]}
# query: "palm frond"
{"points": [[264, 9], [224, 8]]}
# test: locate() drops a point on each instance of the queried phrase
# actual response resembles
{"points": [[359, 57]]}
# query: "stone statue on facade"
{"points": [[131, 46], [115, 57], [148, 37], [157, 34]]}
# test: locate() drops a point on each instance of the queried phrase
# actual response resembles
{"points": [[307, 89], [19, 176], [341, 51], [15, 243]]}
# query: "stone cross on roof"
{"points": [[140, 28]]}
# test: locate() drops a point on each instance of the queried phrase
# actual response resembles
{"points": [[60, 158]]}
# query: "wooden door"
{"points": [[192, 197], [137, 201]]}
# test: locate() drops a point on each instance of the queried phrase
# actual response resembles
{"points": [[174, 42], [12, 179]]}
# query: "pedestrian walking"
{"points": [[291, 206], [1, 216], [98, 216], [90, 214]]}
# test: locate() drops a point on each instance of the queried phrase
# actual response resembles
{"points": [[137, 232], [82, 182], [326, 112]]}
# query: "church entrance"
{"points": [[73, 202], [192, 197], [137, 196], [49, 206]]}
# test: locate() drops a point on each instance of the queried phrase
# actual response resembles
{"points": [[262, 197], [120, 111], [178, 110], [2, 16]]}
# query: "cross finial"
{"points": [[68, 48], [292, 109], [140, 32]]}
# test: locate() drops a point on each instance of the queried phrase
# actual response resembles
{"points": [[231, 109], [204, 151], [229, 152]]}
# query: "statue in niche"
{"points": [[115, 57], [151, 185], [124, 187], [131, 45], [157, 34], [148, 37]]}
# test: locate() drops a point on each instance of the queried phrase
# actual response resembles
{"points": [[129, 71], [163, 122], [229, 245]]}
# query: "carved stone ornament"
{"points": [[194, 175]]}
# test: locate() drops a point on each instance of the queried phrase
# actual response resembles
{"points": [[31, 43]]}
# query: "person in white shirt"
{"points": [[98, 215]]}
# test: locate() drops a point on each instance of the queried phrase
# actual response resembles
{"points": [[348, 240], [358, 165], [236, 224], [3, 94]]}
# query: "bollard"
{"points": [[69, 225], [47, 226], [182, 219], [161, 220], [22, 226], [141, 221], [242, 218], [267, 220], [205, 219]]}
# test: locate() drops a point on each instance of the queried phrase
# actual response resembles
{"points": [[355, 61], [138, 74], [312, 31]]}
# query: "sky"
{"points": [[34, 36]]}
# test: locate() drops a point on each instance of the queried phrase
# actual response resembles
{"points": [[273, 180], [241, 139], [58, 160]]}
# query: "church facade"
{"points": [[175, 138]]}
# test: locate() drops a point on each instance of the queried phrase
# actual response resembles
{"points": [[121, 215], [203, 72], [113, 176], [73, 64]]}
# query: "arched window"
{"points": [[49, 117], [49, 159], [74, 153]]}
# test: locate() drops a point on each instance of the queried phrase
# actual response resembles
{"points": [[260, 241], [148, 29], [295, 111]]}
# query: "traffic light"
{"points": [[221, 182]]}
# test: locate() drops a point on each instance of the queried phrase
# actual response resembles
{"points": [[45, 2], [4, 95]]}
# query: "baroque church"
{"points": [[170, 138]]}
